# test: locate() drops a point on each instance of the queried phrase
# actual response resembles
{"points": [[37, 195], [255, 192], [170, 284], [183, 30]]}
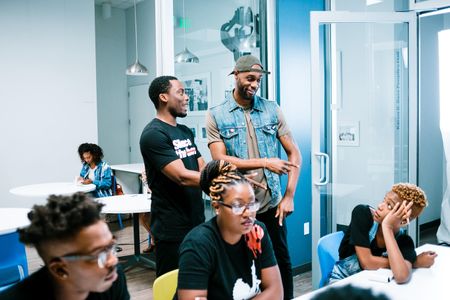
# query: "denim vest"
{"points": [[230, 120]]}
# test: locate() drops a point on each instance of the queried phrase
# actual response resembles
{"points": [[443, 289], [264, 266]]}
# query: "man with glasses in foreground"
{"points": [[78, 251]]}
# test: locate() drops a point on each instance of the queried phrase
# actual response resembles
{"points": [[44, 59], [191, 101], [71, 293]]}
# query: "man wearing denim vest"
{"points": [[245, 130]]}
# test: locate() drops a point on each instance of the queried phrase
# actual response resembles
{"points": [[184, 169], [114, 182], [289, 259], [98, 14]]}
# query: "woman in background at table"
{"points": [[231, 255], [375, 239], [94, 170]]}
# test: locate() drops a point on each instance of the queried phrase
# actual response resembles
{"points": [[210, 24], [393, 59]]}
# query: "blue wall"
{"points": [[294, 86]]}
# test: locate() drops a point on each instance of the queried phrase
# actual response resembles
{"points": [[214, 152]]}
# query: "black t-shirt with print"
{"points": [[357, 234], [227, 271], [39, 286], [175, 209]]}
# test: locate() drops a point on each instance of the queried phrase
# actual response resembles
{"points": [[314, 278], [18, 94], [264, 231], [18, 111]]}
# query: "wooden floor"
{"points": [[140, 280]]}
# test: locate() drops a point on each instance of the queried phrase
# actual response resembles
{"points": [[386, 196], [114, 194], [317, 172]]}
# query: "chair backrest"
{"points": [[328, 252], [165, 286], [13, 258], [10, 276], [116, 188]]}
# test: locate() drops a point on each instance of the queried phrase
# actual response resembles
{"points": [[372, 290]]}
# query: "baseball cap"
{"points": [[245, 64]]}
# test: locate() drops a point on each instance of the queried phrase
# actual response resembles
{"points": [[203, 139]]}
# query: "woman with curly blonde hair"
{"points": [[375, 239], [230, 256]]}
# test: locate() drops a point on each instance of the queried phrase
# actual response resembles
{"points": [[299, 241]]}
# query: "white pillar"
{"points": [[443, 233]]}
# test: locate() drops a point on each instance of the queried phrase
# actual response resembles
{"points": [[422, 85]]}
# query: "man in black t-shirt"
{"points": [[78, 251], [172, 163]]}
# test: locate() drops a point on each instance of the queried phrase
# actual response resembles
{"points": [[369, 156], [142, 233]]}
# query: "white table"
{"points": [[134, 204], [431, 283], [51, 188], [131, 168], [128, 176], [13, 218]]}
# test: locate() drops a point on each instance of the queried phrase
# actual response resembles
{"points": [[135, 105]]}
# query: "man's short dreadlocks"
{"points": [[61, 218]]}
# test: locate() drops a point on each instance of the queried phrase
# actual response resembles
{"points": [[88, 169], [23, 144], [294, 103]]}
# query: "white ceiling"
{"points": [[122, 4]]}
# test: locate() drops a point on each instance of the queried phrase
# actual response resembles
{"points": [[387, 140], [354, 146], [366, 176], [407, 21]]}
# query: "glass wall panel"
{"points": [[208, 37], [369, 113]]}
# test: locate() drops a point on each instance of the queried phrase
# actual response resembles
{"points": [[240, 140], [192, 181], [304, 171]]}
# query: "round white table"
{"points": [[130, 204], [13, 218], [125, 204], [51, 188]]}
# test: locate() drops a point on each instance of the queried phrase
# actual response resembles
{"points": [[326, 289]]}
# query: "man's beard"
{"points": [[243, 94], [176, 114]]}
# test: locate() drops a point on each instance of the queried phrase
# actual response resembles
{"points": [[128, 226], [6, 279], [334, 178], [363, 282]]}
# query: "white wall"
{"points": [[115, 50], [47, 91], [431, 156], [111, 55], [145, 11], [147, 56]]}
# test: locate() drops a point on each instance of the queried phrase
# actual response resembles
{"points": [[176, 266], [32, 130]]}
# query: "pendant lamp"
{"points": [[185, 56], [136, 69]]}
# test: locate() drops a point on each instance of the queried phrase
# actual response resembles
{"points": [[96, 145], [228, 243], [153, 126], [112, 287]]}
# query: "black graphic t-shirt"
{"points": [[175, 209], [227, 271]]}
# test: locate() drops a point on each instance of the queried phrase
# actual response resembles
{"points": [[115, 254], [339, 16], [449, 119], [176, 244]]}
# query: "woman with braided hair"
{"points": [[231, 255], [375, 239]]}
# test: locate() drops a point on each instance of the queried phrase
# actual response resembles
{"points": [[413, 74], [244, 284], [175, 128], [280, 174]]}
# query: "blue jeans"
{"points": [[344, 268]]}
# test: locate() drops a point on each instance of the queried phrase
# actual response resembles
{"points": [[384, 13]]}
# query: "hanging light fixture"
{"points": [[185, 56], [136, 69]]}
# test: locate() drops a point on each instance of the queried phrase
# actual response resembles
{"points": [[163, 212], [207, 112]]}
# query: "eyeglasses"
{"points": [[101, 257], [239, 209]]}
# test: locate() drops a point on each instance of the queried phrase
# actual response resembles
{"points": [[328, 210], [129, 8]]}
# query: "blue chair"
{"points": [[328, 252], [13, 260]]}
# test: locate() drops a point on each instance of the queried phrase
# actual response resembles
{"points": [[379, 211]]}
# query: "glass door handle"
{"points": [[324, 168]]}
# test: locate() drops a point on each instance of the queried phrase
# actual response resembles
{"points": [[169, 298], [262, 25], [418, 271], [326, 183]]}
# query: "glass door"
{"points": [[364, 112]]}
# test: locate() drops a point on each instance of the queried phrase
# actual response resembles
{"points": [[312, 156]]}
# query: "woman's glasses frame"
{"points": [[239, 209]]}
